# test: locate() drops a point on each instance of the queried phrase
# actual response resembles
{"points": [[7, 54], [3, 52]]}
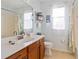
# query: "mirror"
{"points": [[12, 17]]}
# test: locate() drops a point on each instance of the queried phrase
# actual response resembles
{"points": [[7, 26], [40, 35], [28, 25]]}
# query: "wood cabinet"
{"points": [[42, 48], [34, 51], [22, 54]]}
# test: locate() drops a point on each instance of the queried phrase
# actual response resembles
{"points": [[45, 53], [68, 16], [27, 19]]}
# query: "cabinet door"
{"points": [[34, 51], [42, 49], [22, 54]]}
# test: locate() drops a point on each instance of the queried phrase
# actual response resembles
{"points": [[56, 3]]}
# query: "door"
{"points": [[33, 51], [42, 48]]}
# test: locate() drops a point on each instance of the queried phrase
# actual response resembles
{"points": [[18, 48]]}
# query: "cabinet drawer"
{"points": [[33, 46]]}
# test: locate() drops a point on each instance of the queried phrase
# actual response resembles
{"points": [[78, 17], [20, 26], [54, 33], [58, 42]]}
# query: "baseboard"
{"points": [[61, 50]]}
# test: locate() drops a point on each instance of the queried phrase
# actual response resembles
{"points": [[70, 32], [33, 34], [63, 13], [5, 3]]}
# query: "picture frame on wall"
{"points": [[39, 16], [48, 18]]}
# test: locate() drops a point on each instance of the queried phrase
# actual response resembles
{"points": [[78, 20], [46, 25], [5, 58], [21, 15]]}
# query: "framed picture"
{"points": [[48, 18]]}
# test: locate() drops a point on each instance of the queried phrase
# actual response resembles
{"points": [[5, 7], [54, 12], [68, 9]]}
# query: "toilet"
{"points": [[48, 48]]}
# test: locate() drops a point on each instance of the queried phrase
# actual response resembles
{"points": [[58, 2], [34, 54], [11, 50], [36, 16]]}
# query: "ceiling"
{"points": [[54, 1], [15, 5], [21, 5]]}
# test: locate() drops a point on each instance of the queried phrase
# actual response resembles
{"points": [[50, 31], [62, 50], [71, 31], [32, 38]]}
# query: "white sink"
{"points": [[30, 39]]}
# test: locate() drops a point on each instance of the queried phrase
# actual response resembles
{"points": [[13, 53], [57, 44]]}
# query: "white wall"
{"points": [[58, 38], [35, 4]]}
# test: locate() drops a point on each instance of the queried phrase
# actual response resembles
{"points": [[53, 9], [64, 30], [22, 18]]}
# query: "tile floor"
{"points": [[60, 55]]}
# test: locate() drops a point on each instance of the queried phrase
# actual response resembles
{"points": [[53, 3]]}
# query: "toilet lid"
{"points": [[48, 43]]}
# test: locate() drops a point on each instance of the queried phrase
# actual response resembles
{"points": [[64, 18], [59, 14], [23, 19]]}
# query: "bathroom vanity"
{"points": [[33, 49]]}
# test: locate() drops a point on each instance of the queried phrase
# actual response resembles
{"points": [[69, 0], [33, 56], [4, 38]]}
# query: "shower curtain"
{"points": [[71, 41], [73, 30]]}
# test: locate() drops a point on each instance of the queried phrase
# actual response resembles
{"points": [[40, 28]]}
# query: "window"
{"points": [[28, 21], [58, 18]]}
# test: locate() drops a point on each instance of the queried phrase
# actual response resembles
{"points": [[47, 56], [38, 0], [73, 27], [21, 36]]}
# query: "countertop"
{"points": [[7, 49]]}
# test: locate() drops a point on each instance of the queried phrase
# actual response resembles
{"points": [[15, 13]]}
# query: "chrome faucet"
{"points": [[15, 32]]}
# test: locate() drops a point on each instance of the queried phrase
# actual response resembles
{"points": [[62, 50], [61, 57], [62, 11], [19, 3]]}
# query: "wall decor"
{"points": [[39, 16], [48, 18]]}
